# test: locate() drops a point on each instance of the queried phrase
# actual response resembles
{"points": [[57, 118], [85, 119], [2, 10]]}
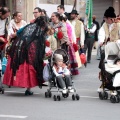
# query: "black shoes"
{"points": [[27, 92]]}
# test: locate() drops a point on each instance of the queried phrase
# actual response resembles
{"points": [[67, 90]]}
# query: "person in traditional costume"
{"points": [[79, 32], [15, 24], [60, 31], [109, 35], [25, 62], [4, 21], [71, 51]]}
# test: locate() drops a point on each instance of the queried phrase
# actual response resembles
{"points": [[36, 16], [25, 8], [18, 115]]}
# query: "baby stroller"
{"points": [[53, 86], [107, 78]]}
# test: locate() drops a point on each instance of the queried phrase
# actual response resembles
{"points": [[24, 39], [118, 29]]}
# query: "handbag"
{"points": [[82, 56]]}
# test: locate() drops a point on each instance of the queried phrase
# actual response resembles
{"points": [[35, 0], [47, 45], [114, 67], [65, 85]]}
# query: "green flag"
{"points": [[89, 12]]}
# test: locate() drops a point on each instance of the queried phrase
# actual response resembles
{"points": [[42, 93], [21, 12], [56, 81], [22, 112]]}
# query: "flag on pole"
{"points": [[89, 12]]}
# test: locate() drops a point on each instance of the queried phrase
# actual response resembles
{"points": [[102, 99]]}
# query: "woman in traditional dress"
{"points": [[15, 24], [71, 51], [25, 63], [60, 31]]}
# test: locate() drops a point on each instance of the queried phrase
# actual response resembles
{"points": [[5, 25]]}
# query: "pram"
{"points": [[53, 86], [107, 78]]}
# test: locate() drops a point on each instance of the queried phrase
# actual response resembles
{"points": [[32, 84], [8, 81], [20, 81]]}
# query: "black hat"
{"points": [[74, 12], [110, 12]]}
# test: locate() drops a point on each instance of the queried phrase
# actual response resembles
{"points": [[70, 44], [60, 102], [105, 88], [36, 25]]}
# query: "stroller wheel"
{"points": [[105, 95], [58, 98], [77, 97], [3, 91], [114, 99], [101, 96], [46, 94], [54, 97], [117, 99], [73, 97], [50, 94]]}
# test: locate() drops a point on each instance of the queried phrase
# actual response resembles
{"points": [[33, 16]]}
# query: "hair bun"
{"points": [[111, 9]]}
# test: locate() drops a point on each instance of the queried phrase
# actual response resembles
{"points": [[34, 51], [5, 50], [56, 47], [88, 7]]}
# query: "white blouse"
{"points": [[2, 27], [12, 26]]}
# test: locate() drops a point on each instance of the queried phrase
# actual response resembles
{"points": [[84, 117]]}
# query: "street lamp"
{"points": [[62, 2]]}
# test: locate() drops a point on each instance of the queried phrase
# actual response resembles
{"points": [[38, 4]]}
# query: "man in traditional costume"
{"points": [[109, 35], [79, 32]]}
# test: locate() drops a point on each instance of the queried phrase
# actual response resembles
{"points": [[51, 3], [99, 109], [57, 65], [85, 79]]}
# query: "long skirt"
{"points": [[25, 76], [73, 61]]}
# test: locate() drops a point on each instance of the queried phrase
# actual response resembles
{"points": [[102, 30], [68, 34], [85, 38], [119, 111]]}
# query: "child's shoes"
{"points": [[70, 89], [64, 91]]}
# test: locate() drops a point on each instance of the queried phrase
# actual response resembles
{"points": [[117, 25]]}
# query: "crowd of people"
{"points": [[27, 45]]}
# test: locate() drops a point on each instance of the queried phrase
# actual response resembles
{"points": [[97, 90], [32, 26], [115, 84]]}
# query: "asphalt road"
{"points": [[15, 106]]}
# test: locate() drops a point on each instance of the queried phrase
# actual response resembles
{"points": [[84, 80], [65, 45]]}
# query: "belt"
{"points": [[78, 39]]}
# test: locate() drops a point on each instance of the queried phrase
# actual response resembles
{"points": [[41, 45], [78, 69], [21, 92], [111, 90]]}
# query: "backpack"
{"points": [[47, 72]]}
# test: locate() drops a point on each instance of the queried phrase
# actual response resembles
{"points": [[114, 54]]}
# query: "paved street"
{"points": [[15, 106]]}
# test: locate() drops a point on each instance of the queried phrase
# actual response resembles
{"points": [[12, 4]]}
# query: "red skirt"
{"points": [[25, 76]]}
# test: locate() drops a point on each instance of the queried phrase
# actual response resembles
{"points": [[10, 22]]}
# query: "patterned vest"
{"points": [[77, 28], [113, 34]]}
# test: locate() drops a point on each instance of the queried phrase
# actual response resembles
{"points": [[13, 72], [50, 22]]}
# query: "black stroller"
{"points": [[53, 86], [107, 79]]}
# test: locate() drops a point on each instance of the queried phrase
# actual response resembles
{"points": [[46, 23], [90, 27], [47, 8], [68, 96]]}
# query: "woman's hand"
{"points": [[13, 35], [2, 39], [68, 42]]}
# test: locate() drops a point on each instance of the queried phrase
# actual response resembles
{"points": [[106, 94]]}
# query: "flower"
{"points": [[47, 43], [60, 35], [75, 46]]}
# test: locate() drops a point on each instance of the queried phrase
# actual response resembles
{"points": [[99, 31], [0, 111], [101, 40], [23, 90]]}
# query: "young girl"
{"points": [[62, 74]]}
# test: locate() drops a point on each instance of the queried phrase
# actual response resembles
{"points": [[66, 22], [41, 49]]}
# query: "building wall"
{"points": [[116, 5]]}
